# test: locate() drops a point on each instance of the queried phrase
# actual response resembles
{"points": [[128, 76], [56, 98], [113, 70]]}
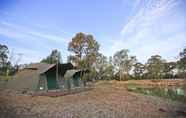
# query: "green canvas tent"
{"points": [[73, 78], [39, 77]]}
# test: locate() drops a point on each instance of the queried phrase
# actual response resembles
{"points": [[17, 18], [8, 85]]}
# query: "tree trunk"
{"points": [[120, 74]]}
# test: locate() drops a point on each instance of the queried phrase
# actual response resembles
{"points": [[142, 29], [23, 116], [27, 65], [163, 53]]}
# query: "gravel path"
{"points": [[101, 102]]}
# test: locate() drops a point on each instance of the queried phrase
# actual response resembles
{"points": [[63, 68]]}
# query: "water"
{"points": [[173, 93]]}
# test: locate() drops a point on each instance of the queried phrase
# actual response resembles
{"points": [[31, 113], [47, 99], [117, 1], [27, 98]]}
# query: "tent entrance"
{"points": [[51, 81], [76, 80]]}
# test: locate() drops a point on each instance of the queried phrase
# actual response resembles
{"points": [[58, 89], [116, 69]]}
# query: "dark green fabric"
{"points": [[52, 83], [41, 76], [76, 81]]}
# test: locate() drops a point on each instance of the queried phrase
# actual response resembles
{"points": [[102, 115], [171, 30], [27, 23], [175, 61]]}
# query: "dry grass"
{"points": [[106, 100]]}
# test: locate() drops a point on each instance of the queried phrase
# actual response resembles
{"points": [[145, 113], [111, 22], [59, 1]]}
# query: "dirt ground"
{"points": [[105, 100]]}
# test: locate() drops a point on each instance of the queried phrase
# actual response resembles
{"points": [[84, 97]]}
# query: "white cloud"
{"points": [[19, 55], [40, 43], [18, 31], [156, 28]]}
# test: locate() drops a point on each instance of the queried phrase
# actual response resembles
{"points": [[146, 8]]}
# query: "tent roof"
{"points": [[70, 73], [40, 67], [28, 77]]}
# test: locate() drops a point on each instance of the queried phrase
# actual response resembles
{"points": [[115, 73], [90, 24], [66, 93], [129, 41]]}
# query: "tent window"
{"points": [[41, 88], [41, 83]]}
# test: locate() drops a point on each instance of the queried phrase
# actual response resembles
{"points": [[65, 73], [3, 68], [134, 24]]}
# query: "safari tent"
{"points": [[44, 77], [74, 78]]}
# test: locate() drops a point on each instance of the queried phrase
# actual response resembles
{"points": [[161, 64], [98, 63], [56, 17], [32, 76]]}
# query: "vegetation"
{"points": [[104, 68], [168, 93], [53, 57], [155, 67], [84, 49], [84, 54], [6, 67], [139, 70], [182, 63], [123, 63]]}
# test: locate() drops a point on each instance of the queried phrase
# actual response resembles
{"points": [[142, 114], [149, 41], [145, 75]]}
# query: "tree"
{"points": [[169, 69], [85, 49], [155, 67], [139, 70], [4, 63], [3, 55], [100, 65], [53, 57], [123, 63], [182, 62], [110, 69], [103, 67], [14, 60]]}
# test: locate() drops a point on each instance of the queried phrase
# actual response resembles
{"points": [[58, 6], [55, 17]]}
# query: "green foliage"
{"points": [[4, 63], [168, 93], [139, 70], [105, 69], [155, 67], [84, 50], [123, 63], [3, 55], [182, 63], [53, 57], [85, 55], [169, 69]]}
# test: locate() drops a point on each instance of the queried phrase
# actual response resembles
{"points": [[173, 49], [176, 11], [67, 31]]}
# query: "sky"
{"points": [[32, 28]]}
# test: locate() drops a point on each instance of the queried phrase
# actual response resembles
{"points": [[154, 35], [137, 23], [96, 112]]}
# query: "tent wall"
{"points": [[42, 84], [61, 82], [52, 81], [24, 80], [42, 77], [76, 80], [73, 81]]}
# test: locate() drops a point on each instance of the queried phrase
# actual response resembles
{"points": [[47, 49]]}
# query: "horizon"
{"points": [[145, 27]]}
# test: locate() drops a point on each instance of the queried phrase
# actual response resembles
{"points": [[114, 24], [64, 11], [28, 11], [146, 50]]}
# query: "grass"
{"points": [[177, 94], [4, 80], [5, 77]]}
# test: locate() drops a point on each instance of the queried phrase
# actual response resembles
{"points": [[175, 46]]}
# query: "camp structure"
{"points": [[46, 77], [74, 78]]}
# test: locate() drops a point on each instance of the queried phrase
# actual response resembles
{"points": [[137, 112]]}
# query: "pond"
{"points": [[173, 93]]}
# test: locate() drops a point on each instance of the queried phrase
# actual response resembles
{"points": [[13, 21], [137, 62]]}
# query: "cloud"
{"points": [[31, 43], [18, 31], [23, 55], [158, 27]]}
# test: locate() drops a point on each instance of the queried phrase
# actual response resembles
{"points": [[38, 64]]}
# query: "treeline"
{"points": [[84, 54], [6, 67]]}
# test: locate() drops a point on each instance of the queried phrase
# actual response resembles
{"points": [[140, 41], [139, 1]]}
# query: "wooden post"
{"points": [[57, 71]]}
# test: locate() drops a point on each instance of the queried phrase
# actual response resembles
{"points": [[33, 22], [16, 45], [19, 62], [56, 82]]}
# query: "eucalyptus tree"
{"points": [[123, 63], [139, 70], [182, 63], [3, 55], [155, 67], [53, 58], [84, 49]]}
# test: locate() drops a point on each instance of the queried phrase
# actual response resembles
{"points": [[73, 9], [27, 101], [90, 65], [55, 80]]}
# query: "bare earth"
{"points": [[105, 100]]}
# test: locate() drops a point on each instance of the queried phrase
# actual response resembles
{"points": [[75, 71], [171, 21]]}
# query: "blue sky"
{"points": [[145, 27]]}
